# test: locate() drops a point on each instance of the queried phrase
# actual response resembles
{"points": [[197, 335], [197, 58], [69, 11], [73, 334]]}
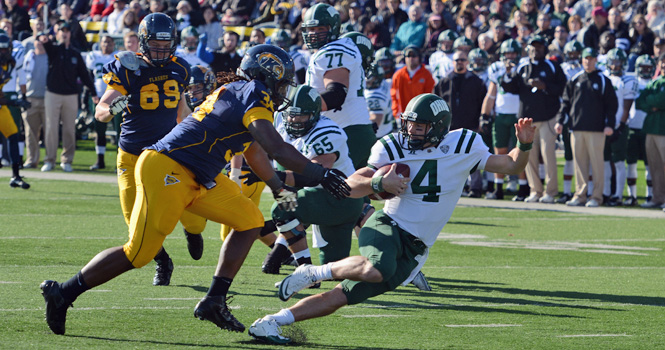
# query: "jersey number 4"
{"points": [[150, 97], [432, 189]]}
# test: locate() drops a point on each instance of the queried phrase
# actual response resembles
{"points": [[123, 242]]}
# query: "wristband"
{"points": [[524, 147], [377, 185], [235, 173]]}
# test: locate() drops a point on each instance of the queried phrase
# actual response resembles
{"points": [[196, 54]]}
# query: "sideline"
{"points": [[463, 202]]}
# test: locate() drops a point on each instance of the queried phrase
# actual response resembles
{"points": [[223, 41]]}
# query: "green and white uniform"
{"points": [[379, 102], [397, 238], [506, 107]]}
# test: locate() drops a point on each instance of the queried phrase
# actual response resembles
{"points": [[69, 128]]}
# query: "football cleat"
{"points": [[273, 261], [194, 245], [267, 330], [163, 274], [97, 166], [300, 279], [17, 181], [564, 198], [421, 282], [630, 202], [56, 306], [214, 309]]}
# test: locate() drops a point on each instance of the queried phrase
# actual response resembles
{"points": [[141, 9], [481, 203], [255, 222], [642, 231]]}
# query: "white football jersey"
{"points": [[571, 68], [437, 177], [626, 88], [636, 116], [440, 65], [505, 103], [379, 102], [299, 62], [95, 61], [18, 74], [191, 58], [337, 54], [484, 76], [324, 138]]}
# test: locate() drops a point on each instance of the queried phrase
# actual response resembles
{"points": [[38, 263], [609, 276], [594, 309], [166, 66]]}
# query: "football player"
{"points": [[440, 62], [395, 241], [182, 172], [505, 106], [478, 63], [147, 88], [572, 53], [379, 102], [189, 41], [386, 60], [645, 68], [8, 126], [627, 89], [282, 38], [95, 61]]}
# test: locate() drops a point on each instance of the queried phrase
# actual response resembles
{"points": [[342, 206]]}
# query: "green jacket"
{"points": [[652, 97]]}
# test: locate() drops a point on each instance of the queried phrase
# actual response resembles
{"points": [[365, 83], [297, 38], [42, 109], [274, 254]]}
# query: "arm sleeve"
{"points": [[203, 53]]}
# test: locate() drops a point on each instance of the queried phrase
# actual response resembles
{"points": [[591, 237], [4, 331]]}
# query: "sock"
{"points": [[281, 240], [323, 272], [219, 286], [73, 287], [498, 186], [607, 186], [283, 318], [303, 257], [100, 150], [21, 148], [15, 167], [649, 183], [631, 180], [541, 172], [162, 256], [620, 169]]}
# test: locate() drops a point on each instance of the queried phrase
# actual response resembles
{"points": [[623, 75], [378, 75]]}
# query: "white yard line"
{"points": [[594, 335], [491, 325]]}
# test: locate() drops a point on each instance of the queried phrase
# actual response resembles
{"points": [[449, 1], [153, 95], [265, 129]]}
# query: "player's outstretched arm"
{"points": [[514, 162], [361, 182]]}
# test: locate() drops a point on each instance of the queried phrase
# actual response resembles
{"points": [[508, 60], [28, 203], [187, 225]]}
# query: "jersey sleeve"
{"points": [[116, 77], [381, 153], [325, 141], [631, 88], [259, 105], [494, 73], [479, 152], [337, 55], [185, 70]]}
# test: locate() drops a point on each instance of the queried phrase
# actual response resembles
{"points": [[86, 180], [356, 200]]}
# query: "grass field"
{"points": [[502, 279]]}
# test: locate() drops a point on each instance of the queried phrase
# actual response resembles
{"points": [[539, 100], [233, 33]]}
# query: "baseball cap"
{"points": [[589, 52], [659, 41], [354, 5], [599, 11], [411, 48], [63, 25]]}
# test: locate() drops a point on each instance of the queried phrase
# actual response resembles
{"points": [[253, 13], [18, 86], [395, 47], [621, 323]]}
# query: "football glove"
{"points": [[286, 197], [333, 182], [118, 105]]}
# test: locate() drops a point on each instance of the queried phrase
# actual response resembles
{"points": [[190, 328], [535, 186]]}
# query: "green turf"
{"points": [[545, 280]]}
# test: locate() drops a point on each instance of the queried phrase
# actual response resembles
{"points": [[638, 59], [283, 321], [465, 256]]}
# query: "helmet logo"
{"points": [[363, 40], [163, 36], [272, 64], [332, 11], [313, 94], [439, 106]]}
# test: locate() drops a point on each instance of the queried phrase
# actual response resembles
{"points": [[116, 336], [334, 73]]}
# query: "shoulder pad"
{"points": [[130, 60]]}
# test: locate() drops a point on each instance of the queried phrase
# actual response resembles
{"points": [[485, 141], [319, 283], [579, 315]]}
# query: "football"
{"points": [[402, 169]]}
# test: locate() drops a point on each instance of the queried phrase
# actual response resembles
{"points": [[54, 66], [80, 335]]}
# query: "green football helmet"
{"points": [[305, 100], [375, 76], [572, 51], [446, 40], [320, 15], [386, 60], [478, 60], [364, 46], [281, 38], [461, 43], [189, 32], [429, 109], [616, 60], [645, 67], [510, 46], [6, 48]]}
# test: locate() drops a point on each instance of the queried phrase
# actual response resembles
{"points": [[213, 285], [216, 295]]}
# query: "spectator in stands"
{"points": [[97, 8], [591, 104], [434, 28], [237, 12], [559, 41], [409, 33], [189, 42], [596, 28], [439, 8], [539, 83], [652, 101], [130, 23], [575, 27], [135, 6], [559, 16], [377, 32], [463, 20], [483, 20], [394, 17], [656, 17], [530, 9], [410, 81], [19, 17], [114, 19], [354, 24], [131, 41], [78, 40], [226, 59], [186, 16], [485, 42], [471, 32], [543, 27], [464, 92], [524, 31], [292, 17], [620, 29], [641, 40], [211, 27], [499, 35], [35, 65], [61, 99], [157, 6]]}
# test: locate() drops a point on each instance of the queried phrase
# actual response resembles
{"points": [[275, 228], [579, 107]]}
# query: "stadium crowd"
{"points": [[415, 43]]}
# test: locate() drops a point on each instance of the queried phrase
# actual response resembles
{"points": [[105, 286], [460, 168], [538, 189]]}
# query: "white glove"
{"points": [[118, 105], [234, 175], [286, 197]]}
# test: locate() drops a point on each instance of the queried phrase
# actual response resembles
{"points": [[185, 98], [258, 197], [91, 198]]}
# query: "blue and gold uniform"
{"points": [[154, 95], [182, 171], [7, 124]]}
